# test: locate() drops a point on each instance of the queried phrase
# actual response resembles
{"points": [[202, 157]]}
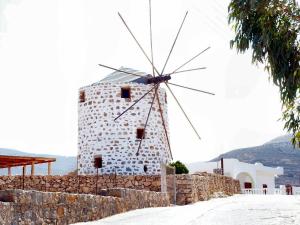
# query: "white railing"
{"points": [[296, 190], [263, 191]]}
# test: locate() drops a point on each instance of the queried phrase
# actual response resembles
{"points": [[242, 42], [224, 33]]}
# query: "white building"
{"points": [[250, 175], [117, 141]]}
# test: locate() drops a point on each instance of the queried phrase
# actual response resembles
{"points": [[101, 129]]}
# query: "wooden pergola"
{"points": [[7, 161]]}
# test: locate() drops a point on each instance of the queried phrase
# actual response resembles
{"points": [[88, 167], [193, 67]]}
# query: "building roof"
{"points": [[233, 166], [122, 77], [14, 161]]}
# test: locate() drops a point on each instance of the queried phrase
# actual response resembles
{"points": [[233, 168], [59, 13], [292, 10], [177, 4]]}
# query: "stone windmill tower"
{"points": [[117, 141], [123, 119]]}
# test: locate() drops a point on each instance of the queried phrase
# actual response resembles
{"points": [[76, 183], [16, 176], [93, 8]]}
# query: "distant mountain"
{"points": [[63, 164], [277, 152], [281, 139]]}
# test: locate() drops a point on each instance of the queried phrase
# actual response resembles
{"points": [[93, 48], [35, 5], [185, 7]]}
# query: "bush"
{"points": [[179, 167]]}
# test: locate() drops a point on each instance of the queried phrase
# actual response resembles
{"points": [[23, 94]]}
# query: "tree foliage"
{"points": [[270, 28], [180, 168]]}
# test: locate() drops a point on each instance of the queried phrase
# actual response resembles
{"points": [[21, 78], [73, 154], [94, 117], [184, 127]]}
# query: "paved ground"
{"points": [[235, 210]]}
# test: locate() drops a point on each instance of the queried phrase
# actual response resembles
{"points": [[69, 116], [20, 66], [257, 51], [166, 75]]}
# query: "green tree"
{"points": [[270, 29], [180, 168]]}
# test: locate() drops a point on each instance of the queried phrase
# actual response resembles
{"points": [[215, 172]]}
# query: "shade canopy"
{"points": [[7, 161]]}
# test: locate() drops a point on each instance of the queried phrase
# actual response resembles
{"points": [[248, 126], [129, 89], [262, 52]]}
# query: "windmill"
{"points": [[157, 78]]}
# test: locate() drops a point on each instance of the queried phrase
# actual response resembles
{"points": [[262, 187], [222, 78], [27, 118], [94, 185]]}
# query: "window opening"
{"points": [[140, 133], [125, 92], [82, 96]]}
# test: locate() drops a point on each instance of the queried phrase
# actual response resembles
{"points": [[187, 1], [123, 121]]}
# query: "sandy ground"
{"points": [[235, 210]]}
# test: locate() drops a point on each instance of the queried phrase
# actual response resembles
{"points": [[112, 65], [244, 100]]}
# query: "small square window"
{"points": [[82, 96], [125, 92], [140, 133], [98, 161]]}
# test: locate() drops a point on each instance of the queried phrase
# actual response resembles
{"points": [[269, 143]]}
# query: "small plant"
{"points": [[179, 167]]}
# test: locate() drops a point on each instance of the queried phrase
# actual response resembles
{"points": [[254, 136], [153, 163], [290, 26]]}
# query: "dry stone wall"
{"points": [[203, 186], [80, 184], [5, 213], [38, 208], [189, 188], [116, 141]]}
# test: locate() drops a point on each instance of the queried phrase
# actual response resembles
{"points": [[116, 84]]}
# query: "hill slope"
{"points": [[277, 152], [63, 164]]}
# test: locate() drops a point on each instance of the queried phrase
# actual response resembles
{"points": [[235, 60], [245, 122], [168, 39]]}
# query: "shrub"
{"points": [[179, 167]]}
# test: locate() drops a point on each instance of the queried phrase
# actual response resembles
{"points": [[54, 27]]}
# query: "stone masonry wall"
{"points": [[116, 141], [38, 208], [5, 213], [190, 188], [203, 186], [80, 184]]}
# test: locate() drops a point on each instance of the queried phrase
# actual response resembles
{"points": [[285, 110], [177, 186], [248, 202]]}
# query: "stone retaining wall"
{"points": [[189, 188], [80, 184], [34, 207], [203, 186], [5, 213]]}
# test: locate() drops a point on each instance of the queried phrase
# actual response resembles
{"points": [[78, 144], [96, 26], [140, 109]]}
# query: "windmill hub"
{"points": [[159, 79]]}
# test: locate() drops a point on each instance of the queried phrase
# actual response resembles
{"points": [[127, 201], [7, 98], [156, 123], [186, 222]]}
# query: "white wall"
{"points": [[257, 173], [263, 178]]}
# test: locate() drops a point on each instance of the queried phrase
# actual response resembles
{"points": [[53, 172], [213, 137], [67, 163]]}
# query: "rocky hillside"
{"points": [[63, 164], [277, 152]]}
